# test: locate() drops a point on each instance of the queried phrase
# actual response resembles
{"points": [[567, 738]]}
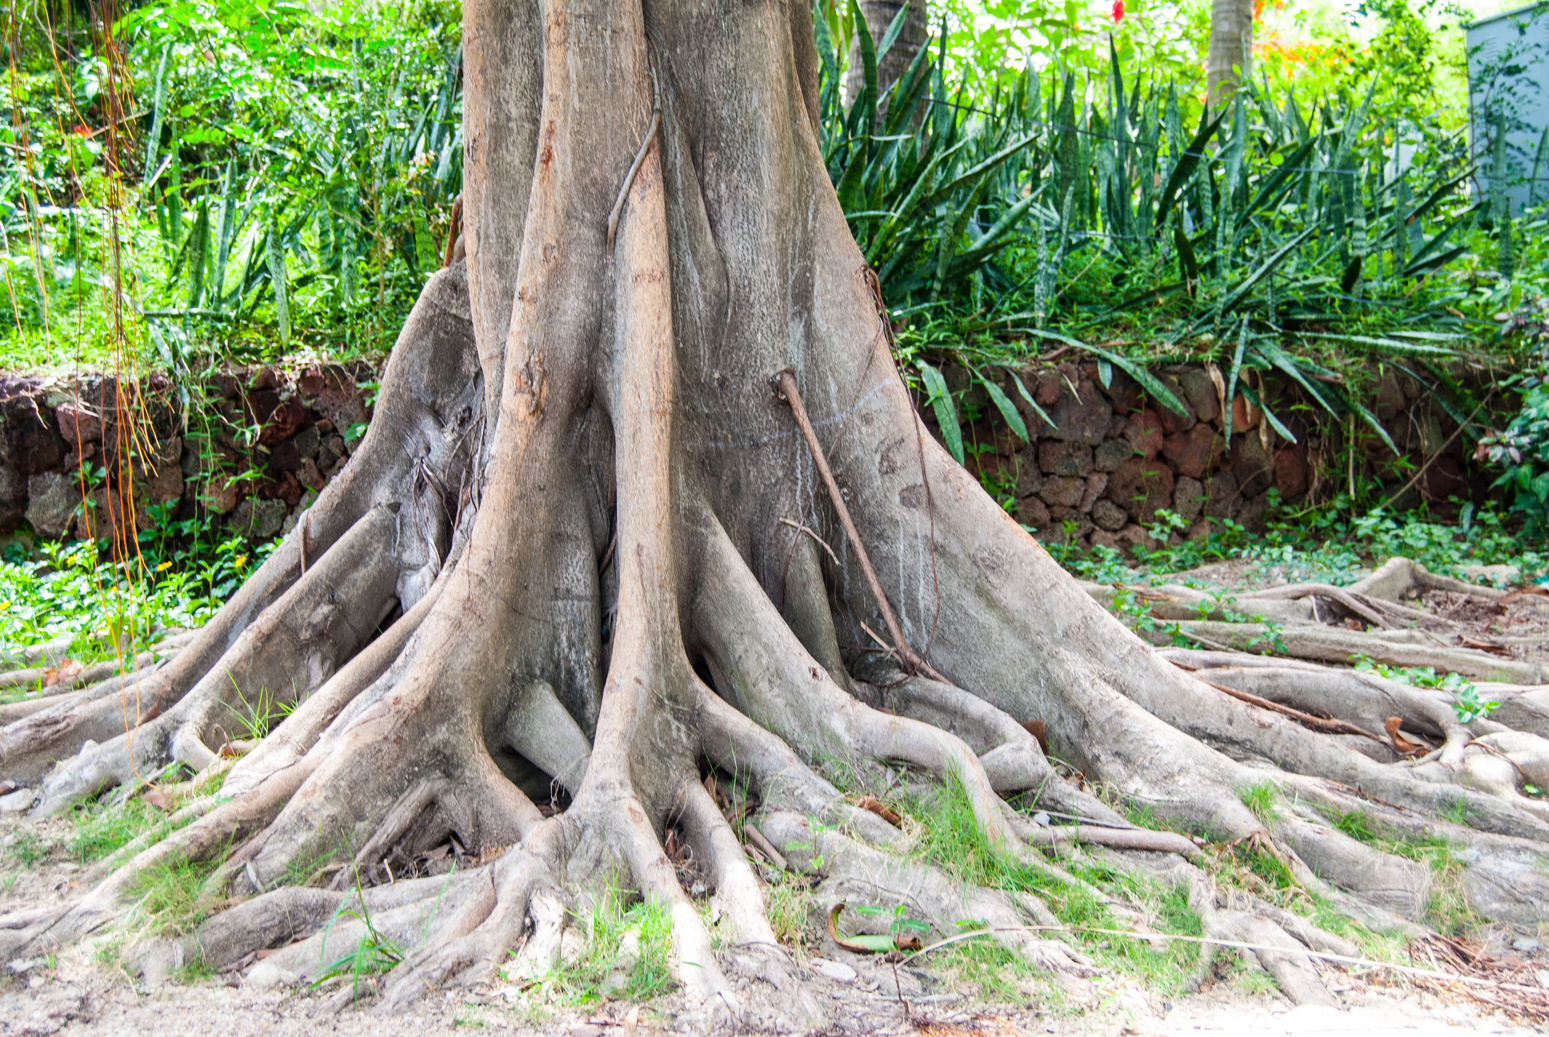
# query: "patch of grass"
{"points": [[949, 838], [101, 829], [1357, 824], [992, 969], [1456, 811], [171, 896], [1260, 798], [108, 952], [194, 971], [626, 956], [790, 903], [371, 956], [28, 848], [307, 869]]}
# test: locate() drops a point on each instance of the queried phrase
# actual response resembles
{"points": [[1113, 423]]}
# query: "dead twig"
{"points": [[785, 385], [1336, 727]]}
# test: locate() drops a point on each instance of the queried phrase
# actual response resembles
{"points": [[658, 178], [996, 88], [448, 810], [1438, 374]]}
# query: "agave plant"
{"points": [[1263, 234]]}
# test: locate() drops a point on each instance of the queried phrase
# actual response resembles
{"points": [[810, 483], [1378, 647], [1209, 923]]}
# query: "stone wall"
{"points": [[258, 443], [247, 450], [1115, 458]]}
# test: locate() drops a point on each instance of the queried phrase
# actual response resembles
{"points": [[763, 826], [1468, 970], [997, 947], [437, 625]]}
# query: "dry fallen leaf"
{"points": [[1404, 746], [158, 799], [1039, 730], [876, 806], [1480, 644], [631, 1021], [62, 674]]}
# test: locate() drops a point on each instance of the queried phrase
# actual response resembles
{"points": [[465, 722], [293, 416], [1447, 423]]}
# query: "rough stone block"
{"points": [[1220, 494], [1191, 453], [166, 485], [1172, 421], [1124, 540], [1033, 513], [1390, 397], [1188, 497], [1141, 488], [221, 495], [1144, 434], [1080, 524], [258, 519], [1082, 418], [1111, 454], [1124, 393], [13, 488], [52, 498], [1064, 457], [1049, 387], [1106, 515], [77, 423], [308, 475], [1096, 485], [1063, 491], [1199, 389], [1291, 471], [285, 421]]}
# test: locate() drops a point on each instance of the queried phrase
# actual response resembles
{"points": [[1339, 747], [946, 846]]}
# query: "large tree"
{"points": [[646, 501]]}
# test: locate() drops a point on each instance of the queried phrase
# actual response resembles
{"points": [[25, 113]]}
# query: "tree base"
{"points": [[585, 558]]}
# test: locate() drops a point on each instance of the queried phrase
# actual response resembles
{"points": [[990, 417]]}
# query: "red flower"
{"points": [[81, 131], [1118, 11]]}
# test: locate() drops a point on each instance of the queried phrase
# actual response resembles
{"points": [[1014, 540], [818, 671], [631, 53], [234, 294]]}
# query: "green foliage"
{"points": [[1272, 238], [73, 592], [290, 171], [1522, 448], [103, 828], [948, 836], [370, 956], [171, 896], [1466, 702]]}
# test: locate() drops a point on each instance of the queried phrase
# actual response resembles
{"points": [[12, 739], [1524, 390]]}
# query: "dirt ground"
{"points": [[78, 995]]}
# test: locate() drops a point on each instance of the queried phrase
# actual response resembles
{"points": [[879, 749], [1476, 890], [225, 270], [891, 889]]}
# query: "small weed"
{"points": [[109, 951], [372, 955], [627, 956], [195, 971], [100, 829], [1260, 798], [1357, 824], [29, 849], [1466, 702], [1456, 811], [790, 901], [170, 896]]}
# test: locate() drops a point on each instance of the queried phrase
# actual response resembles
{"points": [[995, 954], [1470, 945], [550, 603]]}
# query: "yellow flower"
{"points": [[163, 565], [241, 561]]}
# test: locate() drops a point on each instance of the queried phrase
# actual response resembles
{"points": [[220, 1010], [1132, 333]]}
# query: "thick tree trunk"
{"points": [[1231, 48], [617, 568]]}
